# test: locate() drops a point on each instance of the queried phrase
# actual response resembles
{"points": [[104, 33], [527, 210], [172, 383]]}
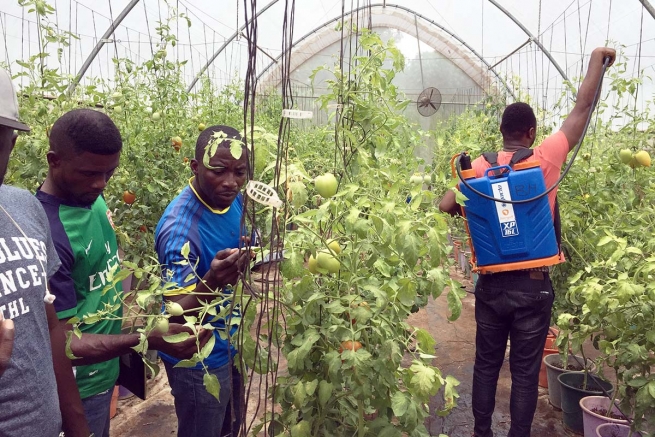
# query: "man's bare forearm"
{"points": [[96, 348]]}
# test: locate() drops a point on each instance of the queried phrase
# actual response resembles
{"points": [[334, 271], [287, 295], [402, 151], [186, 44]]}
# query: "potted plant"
{"points": [[555, 367], [615, 430], [617, 315], [575, 386], [596, 410]]}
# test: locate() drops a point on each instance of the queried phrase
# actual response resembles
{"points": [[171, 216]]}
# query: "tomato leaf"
{"points": [[208, 347], [186, 248], [399, 403], [299, 394], [310, 387], [188, 363], [425, 340], [454, 305], [213, 387], [324, 392], [176, 338], [301, 429], [236, 149], [425, 379]]}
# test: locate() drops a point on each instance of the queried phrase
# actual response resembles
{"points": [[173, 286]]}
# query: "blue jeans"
{"points": [[96, 410], [515, 305], [199, 414]]}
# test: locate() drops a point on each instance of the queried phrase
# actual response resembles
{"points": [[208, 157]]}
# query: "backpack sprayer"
{"points": [[508, 217]]}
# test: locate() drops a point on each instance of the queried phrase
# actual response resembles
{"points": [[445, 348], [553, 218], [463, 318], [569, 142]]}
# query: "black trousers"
{"points": [[515, 305]]}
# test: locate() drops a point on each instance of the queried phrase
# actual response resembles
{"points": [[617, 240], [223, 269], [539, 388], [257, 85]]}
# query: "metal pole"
{"points": [[418, 42], [409, 11], [101, 42], [260, 49], [536, 41], [519, 48], [225, 44], [648, 7]]}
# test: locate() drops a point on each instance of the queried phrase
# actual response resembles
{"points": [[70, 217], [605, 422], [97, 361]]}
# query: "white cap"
{"points": [[9, 104]]}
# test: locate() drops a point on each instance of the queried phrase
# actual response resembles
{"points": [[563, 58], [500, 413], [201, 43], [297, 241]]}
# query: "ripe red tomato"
{"points": [[350, 345], [176, 142], [143, 228], [129, 197]]}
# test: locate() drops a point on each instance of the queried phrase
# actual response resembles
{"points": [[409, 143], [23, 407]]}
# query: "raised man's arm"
{"points": [[72, 413], [575, 122]]}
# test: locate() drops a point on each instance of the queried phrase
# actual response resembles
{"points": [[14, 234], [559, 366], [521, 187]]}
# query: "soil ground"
{"points": [[455, 351]]}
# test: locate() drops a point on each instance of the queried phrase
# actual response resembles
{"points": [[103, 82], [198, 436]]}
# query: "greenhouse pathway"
{"points": [[455, 354]]}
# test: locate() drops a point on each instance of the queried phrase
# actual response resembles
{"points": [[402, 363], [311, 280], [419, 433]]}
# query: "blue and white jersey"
{"points": [[189, 219]]}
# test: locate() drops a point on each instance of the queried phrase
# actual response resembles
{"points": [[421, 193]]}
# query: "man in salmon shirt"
{"points": [[517, 304]]}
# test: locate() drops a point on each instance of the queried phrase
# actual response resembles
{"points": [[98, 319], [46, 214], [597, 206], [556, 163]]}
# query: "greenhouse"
{"points": [[327, 218]]}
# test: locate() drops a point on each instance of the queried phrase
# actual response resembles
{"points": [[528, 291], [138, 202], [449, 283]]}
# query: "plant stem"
{"points": [[360, 426]]}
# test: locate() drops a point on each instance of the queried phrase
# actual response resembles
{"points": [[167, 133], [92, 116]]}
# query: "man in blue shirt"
{"points": [[207, 215]]}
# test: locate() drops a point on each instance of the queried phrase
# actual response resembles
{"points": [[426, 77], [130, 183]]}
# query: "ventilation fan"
{"points": [[428, 102]]}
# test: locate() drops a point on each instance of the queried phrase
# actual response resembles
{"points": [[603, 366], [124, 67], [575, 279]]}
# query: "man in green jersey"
{"points": [[85, 147]]}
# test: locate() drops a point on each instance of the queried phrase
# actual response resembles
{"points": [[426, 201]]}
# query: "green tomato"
{"points": [[416, 179], [118, 108], [333, 245], [117, 95], [427, 179], [174, 309], [326, 261], [162, 325], [626, 156], [312, 265], [156, 116], [326, 185]]}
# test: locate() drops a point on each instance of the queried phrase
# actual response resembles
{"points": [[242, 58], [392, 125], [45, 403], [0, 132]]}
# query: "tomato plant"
{"points": [[346, 330]]}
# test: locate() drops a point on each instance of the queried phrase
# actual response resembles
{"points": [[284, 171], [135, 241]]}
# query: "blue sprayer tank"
{"points": [[510, 236]]}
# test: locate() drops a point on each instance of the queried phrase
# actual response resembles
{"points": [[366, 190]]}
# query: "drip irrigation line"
{"points": [[568, 166]]}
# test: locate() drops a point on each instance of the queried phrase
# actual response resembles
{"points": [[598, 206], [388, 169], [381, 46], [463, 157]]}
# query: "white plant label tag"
{"points": [[294, 113]]}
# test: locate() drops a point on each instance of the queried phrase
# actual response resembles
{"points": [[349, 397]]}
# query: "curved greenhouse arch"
{"points": [[401, 18], [645, 4]]}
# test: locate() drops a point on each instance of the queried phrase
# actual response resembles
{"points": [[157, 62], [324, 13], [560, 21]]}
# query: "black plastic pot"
{"points": [[572, 392]]}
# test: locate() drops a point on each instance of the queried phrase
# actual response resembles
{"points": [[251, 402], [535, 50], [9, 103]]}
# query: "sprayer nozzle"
{"points": [[465, 162]]}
